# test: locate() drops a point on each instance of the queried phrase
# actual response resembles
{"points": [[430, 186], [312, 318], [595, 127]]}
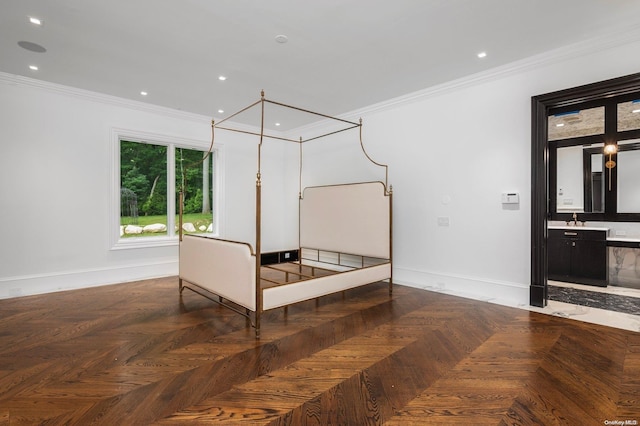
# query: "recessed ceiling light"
{"points": [[34, 20], [560, 125], [635, 111], [220, 111], [222, 78], [277, 124], [143, 93], [482, 55], [33, 68], [281, 38]]}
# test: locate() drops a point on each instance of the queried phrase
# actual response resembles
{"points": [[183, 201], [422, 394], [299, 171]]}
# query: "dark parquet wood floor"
{"points": [[135, 354]]}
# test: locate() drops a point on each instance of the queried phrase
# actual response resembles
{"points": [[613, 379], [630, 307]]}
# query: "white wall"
{"points": [[56, 183], [452, 151]]}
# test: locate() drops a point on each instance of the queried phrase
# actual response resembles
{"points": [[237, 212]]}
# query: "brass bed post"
{"points": [[386, 168], [259, 223], [258, 263], [391, 238], [388, 189], [180, 212], [299, 202], [180, 231]]}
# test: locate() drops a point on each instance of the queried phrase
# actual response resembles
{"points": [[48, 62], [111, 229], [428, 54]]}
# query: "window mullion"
{"points": [[171, 190]]}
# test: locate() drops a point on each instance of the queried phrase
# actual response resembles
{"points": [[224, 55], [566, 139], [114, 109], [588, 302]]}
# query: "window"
{"points": [[576, 123], [150, 175], [143, 189], [629, 115]]}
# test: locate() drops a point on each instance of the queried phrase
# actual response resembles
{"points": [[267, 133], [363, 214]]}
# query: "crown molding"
{"points": [[620, 37], [12, 79]]}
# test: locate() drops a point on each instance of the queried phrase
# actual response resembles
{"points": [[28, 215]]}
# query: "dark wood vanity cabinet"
{"points": [[578, 256]]}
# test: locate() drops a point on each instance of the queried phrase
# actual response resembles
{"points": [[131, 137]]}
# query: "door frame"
{"points": [[540, 106]]}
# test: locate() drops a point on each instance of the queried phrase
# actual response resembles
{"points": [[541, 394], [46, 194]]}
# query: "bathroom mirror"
{"points": [[579, 179], [594, 180], [570, 180], [628, 165]]}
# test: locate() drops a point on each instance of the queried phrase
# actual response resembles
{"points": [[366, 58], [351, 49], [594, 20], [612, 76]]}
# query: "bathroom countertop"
{"points": [[625, 239], [579, 228]]}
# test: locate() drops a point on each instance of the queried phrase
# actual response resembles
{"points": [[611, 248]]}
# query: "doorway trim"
{"points": [[540, 106]]}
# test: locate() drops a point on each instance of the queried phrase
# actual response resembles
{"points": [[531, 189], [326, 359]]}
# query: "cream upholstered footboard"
{"points": [[225, 268]]}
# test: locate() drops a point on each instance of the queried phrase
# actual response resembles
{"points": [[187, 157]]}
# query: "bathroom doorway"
{"points": [[540, 213]]}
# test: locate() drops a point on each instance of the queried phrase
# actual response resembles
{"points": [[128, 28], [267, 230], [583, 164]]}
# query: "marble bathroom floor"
{"points": [[623, 291], [595, 299], [592, 315], [582, 303]]}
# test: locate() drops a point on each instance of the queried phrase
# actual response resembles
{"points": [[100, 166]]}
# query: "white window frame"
{"points": [[171, 142]]}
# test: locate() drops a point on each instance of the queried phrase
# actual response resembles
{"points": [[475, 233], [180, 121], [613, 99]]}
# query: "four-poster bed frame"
{"points": [[345, 241]]}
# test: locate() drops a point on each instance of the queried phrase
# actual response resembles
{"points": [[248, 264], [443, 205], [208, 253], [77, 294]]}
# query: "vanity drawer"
{"points": [[578, 234]]}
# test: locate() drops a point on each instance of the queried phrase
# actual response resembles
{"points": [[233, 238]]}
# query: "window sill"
{"points": [[149, 242], [144, 242]]}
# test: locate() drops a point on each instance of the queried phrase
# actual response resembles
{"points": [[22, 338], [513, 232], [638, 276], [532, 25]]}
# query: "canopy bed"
{"points": [[345, 241]]}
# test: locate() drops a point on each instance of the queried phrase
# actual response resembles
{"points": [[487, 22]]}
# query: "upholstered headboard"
{"points": [[351, 218]]}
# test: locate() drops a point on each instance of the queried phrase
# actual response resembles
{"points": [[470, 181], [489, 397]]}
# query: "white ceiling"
{"points": [[342, 55]]}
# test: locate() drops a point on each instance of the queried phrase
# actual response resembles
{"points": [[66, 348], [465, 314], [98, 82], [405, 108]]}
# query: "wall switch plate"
{"points": [[510, 198], [443, 221]]}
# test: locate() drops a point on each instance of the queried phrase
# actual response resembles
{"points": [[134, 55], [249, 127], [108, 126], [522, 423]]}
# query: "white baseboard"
{"points": [[71, 280], [502, 293], [505, 293]]}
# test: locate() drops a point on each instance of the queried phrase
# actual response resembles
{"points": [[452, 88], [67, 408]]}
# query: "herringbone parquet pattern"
{"points": [[136, 354]]}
